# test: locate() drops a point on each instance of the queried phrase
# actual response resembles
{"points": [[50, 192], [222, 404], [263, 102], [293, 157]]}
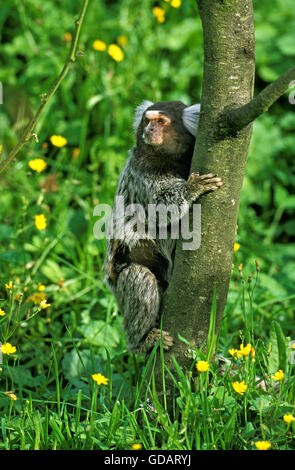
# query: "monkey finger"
{"points": [[210, 175]]}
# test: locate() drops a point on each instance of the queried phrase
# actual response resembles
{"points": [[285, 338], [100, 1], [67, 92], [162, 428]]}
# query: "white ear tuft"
{"points": [[190, 118], [139, 112]]}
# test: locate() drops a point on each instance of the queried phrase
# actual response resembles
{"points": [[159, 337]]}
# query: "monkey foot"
{"points": [[155, 334]]}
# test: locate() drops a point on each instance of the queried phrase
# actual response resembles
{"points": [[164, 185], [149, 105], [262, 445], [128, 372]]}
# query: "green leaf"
{"points": [[279, 349], [98, 333], [76, 365], [15, 256], [6, 232], [52, 271]]}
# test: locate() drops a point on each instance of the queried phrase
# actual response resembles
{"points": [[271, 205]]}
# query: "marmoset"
{"points": [[138, 266]]}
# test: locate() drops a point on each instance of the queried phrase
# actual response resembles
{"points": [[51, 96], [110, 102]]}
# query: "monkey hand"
{"points": [[199, 184]]}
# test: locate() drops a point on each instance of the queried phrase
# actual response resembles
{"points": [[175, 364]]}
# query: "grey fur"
{"points": [[139, 112], [138, 268], [190, 118]]}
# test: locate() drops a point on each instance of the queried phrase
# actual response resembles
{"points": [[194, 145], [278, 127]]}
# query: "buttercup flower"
{"points": [[1, 148], [122, 40], [175, 3], [40, 221], [37, 298], [245, 350], [41, 287], [115, 52], [202, 366], [100, 379], [2, 313], [236, 246], [288, 418], [11, 395], [279, 375], [44, 304], [58, 140], [240, 387], [233, 352], [159, 13], [136, 446], [38, 164], [9, 285], [99, 45], [263, 445], [7, 348]]}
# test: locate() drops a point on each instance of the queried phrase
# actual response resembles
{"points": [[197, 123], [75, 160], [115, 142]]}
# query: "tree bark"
{"points": [[227, 111], [228, 81]]}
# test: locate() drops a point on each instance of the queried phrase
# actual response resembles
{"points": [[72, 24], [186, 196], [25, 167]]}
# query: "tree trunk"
{"points": [[229, 67]]}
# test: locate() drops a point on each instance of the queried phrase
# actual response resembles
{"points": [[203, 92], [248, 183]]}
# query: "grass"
{"points": [[63, 408], [58, 348]]}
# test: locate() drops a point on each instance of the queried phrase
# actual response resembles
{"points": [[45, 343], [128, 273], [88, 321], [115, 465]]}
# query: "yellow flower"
{"points": [[37, 298], [136, 446], [236, 246], [58, 140], [7, 348], [245, 350], [99, 45], [9, 285], [1, 148], [44, 304], [41, 287], [175, 3], [159, 13], [115, 52], [293, 345], [100, 379], [38, 164], [2, 313], [40, 221], [263, 445], [235, 353], [67, 37], [239, 387], [278, 375], [288, 418], [122, 40], [202, 366], [11, 395]]}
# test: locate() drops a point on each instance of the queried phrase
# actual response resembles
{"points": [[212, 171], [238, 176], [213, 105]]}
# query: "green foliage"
{"points": [[58, 404]]}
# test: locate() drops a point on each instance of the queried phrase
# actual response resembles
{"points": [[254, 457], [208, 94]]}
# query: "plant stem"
{"points": [[28, 133]]}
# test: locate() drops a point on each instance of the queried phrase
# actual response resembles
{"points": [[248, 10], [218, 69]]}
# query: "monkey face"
{"points": [[155, 127], [165, 128]]}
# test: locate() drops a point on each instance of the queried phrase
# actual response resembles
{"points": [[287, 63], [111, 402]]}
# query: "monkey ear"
{"points": [[139, 110], [190, 118]]}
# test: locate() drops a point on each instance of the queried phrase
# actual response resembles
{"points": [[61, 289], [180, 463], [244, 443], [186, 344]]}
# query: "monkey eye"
{"points": [[161, 121]]}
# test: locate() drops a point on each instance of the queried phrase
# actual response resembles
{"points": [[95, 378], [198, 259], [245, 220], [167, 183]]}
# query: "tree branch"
{"points": [[28, 133], [236, 119]]}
